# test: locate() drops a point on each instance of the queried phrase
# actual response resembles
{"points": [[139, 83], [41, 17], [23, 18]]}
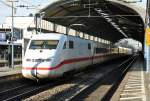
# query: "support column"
{"points": [[147, 37], [148, 59]]}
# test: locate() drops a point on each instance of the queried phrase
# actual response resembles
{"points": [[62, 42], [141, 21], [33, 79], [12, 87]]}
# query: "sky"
{"points": [[33, 5]]}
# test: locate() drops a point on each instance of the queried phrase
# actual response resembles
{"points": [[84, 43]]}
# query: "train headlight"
{"points": [[28, 60], [38, 60], [42, 60], [48, 60]]}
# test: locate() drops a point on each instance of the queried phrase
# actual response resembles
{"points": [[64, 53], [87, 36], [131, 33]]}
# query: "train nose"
{"points": [[40, 73], [36, 68], [29, 73], [35, 73]]}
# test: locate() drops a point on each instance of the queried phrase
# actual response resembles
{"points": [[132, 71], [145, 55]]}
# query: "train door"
{"points": [[90, 52], [71, 54], [64, 51], [78, 48], [93, 51]]}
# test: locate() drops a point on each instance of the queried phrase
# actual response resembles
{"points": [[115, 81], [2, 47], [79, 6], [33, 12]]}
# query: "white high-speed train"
{"points": [[53, 55]]}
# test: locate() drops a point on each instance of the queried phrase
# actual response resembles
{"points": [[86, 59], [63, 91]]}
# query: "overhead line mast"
{"points": [[12, 33]]}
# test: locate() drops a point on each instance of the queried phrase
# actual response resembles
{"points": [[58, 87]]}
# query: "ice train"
{"points": [[52, 55]]}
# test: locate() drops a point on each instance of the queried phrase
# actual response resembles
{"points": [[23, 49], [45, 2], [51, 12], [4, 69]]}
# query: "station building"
{"points": [[20, 25]]}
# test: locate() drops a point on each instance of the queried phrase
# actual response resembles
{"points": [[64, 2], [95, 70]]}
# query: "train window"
{"points": [[101, 50], [89, 46], [43, 44], [71, 46], [64, 47]]}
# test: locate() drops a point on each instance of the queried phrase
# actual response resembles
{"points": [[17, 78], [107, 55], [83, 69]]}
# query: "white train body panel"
{"points": [[52, 55]]}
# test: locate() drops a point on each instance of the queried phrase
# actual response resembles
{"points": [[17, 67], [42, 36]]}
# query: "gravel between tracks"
{"points": [[49, 93]]}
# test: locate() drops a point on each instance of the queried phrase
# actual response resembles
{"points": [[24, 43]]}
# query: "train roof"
{"points": [[49, 36]]}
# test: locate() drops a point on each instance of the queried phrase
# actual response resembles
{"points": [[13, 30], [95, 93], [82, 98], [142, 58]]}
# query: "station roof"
{"points": [[100, 18]]}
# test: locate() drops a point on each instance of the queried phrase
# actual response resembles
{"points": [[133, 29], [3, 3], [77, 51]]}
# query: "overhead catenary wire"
{"points": [[28, 3], [6, 3]]}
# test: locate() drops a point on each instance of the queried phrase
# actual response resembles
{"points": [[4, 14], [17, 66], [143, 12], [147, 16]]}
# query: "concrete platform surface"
{"points": [[6, 71], [132, 87]]}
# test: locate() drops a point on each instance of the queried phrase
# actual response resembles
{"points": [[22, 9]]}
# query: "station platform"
{"points": [[133, 86], [6, 71]]}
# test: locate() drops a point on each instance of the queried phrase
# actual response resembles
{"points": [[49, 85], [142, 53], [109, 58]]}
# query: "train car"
{"points": [[53, 55], [125, 50]]}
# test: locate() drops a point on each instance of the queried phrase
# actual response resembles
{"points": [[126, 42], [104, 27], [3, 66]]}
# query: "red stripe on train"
{"points": [[62, 63]]}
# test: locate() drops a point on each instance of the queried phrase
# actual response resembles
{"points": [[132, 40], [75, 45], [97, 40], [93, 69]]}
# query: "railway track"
{"points": [[25, 90], [66, 89], [107, 78]]}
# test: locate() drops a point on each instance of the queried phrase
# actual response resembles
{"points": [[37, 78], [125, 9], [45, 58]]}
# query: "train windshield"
{"points": [[43, 44]]}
